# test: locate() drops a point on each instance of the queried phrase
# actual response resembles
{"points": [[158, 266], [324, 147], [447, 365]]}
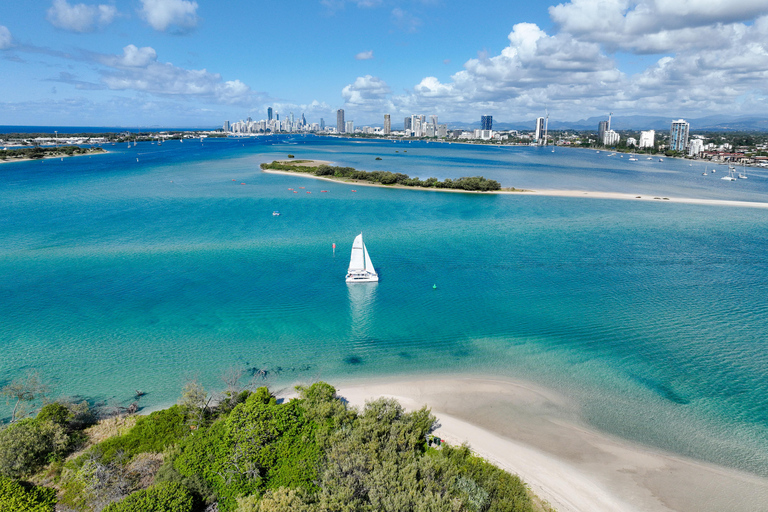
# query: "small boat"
{"points": [[632, 159], [275, 213], [360, 267], [323, 191], [661, 159], [705, 173], [649, 158]]}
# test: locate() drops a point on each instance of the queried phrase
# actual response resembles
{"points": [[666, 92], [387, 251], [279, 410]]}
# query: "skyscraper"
{"points": [[387, 124], [269, 114], [349, 127], [226, 126], [340, 120], [486, 122], [647, 139], [407, 125], [678, 135], [433, 121], [539, 129], [303, 120], [322, 124]]}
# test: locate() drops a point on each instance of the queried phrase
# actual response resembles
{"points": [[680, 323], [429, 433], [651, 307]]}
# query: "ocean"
{"points": [[119, 275]]}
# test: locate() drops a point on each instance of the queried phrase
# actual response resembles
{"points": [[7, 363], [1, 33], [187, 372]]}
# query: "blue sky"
{"points": [[197, 63]]}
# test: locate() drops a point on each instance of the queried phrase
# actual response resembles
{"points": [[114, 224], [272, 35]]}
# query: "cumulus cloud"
{"points": [[5, 38], [80, 17], [655, 26], [364, 55], [139, 69], [366, 93], [162, 14]]}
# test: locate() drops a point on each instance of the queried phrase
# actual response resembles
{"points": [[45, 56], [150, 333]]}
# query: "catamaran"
{"points": [[360, 267]]}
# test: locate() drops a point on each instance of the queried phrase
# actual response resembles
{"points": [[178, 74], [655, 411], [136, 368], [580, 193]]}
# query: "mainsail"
{"points": [[359, 255]]}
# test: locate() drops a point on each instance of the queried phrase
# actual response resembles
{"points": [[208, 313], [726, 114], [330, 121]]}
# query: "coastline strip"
{"points": [[538, 435], [543, 192]]}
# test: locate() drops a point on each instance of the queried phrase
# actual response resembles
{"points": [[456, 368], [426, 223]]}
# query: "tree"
{"points": [[26, 389], [195, 401]]}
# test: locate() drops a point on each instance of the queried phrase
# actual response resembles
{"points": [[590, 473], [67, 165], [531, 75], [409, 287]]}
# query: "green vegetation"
{"points": [[38, 152], [22, 497], [252, 453], [474, 183]]}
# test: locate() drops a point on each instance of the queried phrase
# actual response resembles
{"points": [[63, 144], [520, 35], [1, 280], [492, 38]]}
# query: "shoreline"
{"points": [[15, 160], [543, 192], [539, 435]]}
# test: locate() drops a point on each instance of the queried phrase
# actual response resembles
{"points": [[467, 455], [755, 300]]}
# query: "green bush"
{"points": [[26, 446], [151, 433], [17, 496], [166, 497]]}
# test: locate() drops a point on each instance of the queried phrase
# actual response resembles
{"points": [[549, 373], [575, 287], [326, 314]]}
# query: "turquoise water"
{"points": [[117, 275]]}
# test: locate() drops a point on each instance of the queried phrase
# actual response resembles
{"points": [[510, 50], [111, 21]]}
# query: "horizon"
{"points": [[197, 63]]}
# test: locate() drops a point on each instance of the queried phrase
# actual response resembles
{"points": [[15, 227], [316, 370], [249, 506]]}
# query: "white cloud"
{"points": [[655, 26], [80, 17], [366, 93], [138, 69], [5, 38], [364, 55], [161, 14]]}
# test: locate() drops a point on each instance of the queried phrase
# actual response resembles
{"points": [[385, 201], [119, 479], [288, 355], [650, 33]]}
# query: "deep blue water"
{"points": [[117, 275]]}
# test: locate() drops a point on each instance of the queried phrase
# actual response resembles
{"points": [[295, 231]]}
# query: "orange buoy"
{"points": [[354, 191], [233, 180], [308, 192], [242, 183], [295, 192], [301, 187]]}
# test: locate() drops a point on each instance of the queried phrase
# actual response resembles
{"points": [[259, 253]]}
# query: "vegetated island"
{"points": [[37, 152], [470, 184], [247, 453]]}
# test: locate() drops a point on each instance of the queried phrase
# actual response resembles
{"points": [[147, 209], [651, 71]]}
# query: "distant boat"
{"points": [[661, 159], [632, 159], [705, 173], [360, 267], [730, 175], [743, 174], [275, 213]]}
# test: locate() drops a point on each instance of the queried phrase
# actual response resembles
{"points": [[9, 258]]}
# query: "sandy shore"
{"points": [[12, 160], [552, 193], [538, 435]]}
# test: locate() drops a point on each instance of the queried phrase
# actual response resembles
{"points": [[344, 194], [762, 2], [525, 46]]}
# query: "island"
{"points": [[38, 152], [347, 174]]}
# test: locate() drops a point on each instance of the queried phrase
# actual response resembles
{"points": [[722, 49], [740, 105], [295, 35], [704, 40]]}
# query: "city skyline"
{"points": [[195, 63]]}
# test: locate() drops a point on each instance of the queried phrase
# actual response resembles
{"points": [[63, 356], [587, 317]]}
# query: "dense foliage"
{"points": [[21, 497], [41, 152], [252, 453], [474, 183]]}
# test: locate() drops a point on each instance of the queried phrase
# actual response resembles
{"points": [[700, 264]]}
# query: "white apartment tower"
{"points": [[647, 139], [539, 129], [678, 135]]}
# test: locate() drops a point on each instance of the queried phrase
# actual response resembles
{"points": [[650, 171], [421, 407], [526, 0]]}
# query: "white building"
{"points": [[695, 147], [647, 139], [442, 130], [610, 138], [349, 127], [631, 141], [539, 129], [678, 135]]}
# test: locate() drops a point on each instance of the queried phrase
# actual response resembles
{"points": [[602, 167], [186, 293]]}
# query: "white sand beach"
{"points": [[586, 194], [538, 435]]}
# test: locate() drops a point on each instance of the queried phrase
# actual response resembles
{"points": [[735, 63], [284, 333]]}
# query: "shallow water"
{"points": [[117, 275]]}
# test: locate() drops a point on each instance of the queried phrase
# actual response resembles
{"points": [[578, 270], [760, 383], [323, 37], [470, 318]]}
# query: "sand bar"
{"points": [[522, 192], [538, 434]]}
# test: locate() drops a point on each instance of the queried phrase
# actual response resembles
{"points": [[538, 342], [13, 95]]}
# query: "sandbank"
{"points": [[90, 153], [539, 435], [541, 192]]}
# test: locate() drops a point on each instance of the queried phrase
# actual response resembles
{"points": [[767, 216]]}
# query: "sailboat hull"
{"points": [[362, 277]]}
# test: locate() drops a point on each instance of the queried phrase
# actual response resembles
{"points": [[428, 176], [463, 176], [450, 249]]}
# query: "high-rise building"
{"points": [[340, 120], [647, 139], [407, 125], [322, 124], [678, 135], [539, 135], [349, 127], [303, 120], [226, 126], [486, 122], [387, 124], [277, 116], [611, 138], [416, 126], [695, 147], [433, 121], [269, 114], [442, 130]]}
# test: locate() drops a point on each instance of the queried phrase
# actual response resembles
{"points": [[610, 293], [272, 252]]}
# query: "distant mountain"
{"points": [[709, 123]]}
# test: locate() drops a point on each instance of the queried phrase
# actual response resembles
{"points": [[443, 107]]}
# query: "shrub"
{"points": [[17, 496], [151, 433], [166, 497], [28, 445]]}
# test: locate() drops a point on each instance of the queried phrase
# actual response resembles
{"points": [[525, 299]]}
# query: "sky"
{"points": [[185, 63]]}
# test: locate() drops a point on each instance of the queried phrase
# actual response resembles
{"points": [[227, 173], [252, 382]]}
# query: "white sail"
{"points": [[357, 260], [360, 267], [368, 264]]}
